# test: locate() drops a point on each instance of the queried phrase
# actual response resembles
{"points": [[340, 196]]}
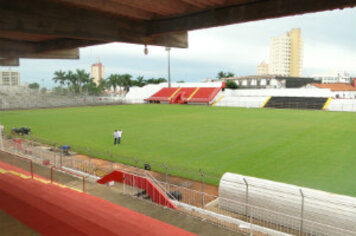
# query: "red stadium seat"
{"points": [[185, 95]]}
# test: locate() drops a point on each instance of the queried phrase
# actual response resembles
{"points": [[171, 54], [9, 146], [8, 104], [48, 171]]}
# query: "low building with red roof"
{"points": [[339, 90]]}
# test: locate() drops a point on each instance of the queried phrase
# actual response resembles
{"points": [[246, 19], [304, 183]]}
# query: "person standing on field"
{"points": [[119, 136], [116, 136]]}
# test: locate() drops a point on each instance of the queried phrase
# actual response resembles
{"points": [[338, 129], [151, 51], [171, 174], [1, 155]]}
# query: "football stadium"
{"points": [[237, 155]]}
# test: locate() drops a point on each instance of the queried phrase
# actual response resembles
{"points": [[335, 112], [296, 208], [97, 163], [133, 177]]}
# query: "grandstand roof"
{"points": [[56, 28], [336, 86]]}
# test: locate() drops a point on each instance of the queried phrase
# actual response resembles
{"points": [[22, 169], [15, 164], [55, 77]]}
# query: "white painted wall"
{"points": [[302, 92], [248, 102], [342, 105]]}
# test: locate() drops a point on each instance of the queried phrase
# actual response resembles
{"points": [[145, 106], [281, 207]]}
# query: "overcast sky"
{"points": [[329, 47]]}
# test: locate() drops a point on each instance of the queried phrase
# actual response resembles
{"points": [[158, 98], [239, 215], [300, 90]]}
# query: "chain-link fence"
{"points": [[191, 197]]}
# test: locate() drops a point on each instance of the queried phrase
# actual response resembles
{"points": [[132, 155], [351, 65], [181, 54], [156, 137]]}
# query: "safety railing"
{"points": [[67, 172], [42, 163]]}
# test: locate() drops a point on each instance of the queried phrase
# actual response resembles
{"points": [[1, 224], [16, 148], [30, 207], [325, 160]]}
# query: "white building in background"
{"points": [[262, 69], [9, 78], [342, 77], [279, 56], [97, 72], [286, 54]]}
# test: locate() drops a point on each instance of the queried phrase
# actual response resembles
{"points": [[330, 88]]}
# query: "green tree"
{"points": [[60, 77], [156, 81], [75, 82], [113, 81], [223, 74], [231, 84], [140, 81], [82, 80], [126, 81], [94, 89], [34, 86], [161, 80]]}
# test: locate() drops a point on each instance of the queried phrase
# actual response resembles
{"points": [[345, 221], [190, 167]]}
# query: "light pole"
{"points": [[168, 49]]}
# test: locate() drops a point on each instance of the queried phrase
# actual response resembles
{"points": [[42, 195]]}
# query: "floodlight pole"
{"points": [[168, 49]]}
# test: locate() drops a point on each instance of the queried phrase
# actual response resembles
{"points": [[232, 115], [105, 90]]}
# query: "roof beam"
{"points": [[64, 43], [10, 62], [59, 54], [257, 10], [16, 48], [111, 6], [161, 7], [180, 39], [50, 50], [74, 22]]}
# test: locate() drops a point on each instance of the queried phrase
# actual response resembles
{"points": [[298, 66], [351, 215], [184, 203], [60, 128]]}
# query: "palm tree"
{"points": [[71, 80], [59, 76], [113, 81], [140, 81], [126, 81], [229, 74], [82, 79], [222, 74]]}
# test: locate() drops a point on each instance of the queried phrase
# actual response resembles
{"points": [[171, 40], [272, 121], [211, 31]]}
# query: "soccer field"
{"points": [[309, 148]]}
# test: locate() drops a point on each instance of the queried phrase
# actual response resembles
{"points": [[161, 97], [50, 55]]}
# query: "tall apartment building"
{"points": [[97, 72], [262, 69], [286, 54], [9, 78]]}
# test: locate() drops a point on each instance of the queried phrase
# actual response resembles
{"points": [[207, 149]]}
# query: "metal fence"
{"points": [[32, 159], [194, 200]]}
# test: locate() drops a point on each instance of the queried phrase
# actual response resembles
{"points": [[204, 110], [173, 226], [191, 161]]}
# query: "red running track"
{"points": [[52, 210]]}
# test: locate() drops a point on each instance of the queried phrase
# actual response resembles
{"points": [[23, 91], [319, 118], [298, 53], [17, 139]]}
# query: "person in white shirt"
{"points": [[116, 136], [119, 136]]}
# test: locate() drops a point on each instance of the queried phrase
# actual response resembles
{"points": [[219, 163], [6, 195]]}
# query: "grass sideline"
{"points": [[314, 149]]}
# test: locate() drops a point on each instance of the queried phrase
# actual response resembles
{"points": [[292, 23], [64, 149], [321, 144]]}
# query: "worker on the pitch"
{"points": [[119, 136]]}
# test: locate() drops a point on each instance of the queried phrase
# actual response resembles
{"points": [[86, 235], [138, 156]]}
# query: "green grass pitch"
{"points": [[314, 149]]}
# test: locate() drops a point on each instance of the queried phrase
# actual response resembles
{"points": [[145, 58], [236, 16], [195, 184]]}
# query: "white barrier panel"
{"points": [[335, 210], [249, 102], [140, 93], [301, 92], [342, 105]]}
